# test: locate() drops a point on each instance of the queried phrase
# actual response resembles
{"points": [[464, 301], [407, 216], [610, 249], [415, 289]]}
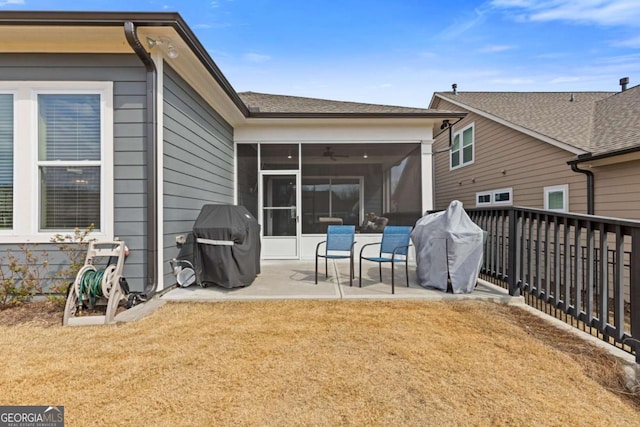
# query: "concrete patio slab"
{"points": [[283, 279]]}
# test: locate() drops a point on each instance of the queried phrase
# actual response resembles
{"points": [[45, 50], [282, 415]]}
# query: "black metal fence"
{"points": [[582, 269]]}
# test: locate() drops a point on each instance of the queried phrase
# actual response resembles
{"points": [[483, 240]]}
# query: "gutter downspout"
{"points": [[151, 158], [590, 187]]}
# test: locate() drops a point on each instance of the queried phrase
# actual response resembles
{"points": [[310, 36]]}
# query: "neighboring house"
{"points": [[124, 121], [570, 152]]}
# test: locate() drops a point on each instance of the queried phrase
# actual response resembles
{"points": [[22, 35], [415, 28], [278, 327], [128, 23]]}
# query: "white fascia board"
{"points": [[541, 137], [335, 130]]}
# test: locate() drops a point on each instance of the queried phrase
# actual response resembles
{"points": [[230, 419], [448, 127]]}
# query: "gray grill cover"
{"points": [[225, 265], [448, 243]]}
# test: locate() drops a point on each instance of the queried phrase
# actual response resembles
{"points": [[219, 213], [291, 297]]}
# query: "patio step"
{"points": [[87, 320]]}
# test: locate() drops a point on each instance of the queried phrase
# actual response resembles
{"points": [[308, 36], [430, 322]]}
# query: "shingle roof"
{"points": [[267, 103], [552, 114], [617, 122]]}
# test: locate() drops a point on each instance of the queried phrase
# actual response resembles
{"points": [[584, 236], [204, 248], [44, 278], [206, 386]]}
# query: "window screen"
{"points": [[556, 200], [6, 162], [455, 152], [69, 135], [467, 145]]}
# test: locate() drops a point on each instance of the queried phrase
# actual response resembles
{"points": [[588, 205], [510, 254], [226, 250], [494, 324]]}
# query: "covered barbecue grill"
{"points": [[226, 249], [449, 245]]}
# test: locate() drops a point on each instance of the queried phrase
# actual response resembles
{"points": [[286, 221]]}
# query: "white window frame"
{"points": [[492, 198], [564, 188], [502, 203], [26, 170], [483, 193], [460, 149]]}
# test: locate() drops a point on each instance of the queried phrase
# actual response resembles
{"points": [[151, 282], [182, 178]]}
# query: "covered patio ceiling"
{"points": [[386, 154]]}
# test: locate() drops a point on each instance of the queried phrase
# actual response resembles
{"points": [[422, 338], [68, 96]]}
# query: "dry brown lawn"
{"points": [[312, 363]]}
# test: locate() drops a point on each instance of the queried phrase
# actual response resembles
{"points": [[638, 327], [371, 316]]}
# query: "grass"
{"points": [[312, 363]]}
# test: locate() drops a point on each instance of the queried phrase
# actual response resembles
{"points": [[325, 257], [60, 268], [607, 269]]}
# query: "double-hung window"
{"points": [[56, 158], [462, 148], [69, 160]]}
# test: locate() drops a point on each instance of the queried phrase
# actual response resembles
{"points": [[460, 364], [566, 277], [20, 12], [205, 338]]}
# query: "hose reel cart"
{"points": [[94, 286]]}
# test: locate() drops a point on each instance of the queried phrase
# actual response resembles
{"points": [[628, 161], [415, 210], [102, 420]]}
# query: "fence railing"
{"points": [[583, 269]]}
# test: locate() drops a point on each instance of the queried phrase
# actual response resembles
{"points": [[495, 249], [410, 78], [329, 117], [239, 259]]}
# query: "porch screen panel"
{"points": [[69, 147], [329, 200], [455, 152], [345, 200], [6, 161]]}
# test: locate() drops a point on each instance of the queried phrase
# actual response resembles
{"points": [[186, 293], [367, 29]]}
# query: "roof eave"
{"points": [[167, 19], [285, 115], [616, 156]]}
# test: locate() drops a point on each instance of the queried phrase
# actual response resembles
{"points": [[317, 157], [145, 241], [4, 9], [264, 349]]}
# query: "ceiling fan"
{"points": [[332, 155]]}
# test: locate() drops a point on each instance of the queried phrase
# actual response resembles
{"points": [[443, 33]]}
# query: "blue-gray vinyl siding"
{"points": [[129, 89], [197, 162]]}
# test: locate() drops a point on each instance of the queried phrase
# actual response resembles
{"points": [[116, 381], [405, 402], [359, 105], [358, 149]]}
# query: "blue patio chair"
{"points": [[339, 245], [393, 248]]}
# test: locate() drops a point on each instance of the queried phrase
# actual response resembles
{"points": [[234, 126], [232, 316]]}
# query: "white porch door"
{"points": [[279, 214]]}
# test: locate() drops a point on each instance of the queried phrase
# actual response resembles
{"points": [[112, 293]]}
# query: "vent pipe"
{"points": [[455, 88], [624, 82]]}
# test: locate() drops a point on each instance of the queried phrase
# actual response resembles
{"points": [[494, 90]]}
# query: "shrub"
{"points": [[21, 275], [74, 246]]}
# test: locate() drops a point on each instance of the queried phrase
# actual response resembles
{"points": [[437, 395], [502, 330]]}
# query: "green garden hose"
{"points": [[91, 285]]}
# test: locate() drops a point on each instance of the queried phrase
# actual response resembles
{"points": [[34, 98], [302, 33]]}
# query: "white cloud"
{"points": [[256, 57], [600, 12], [494, 48], [632, 43], [214, 4], [385, 85], [214, 25], [461, 26], [513, 81], [512, 3], [552, 55], [427, 54], [11, 2], [566, 79]]}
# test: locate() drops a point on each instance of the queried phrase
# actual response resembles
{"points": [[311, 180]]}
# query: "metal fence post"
{"points": [[512, 255]]}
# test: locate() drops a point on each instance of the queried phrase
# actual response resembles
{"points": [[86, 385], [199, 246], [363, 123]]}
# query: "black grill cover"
{"points": [[224, 265]]}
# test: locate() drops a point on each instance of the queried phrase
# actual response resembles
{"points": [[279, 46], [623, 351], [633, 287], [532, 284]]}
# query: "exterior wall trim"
{"points": [[158, 60]]}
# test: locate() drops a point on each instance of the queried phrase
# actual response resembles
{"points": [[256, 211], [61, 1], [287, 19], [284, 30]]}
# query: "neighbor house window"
{"points": [[462, 148], [483, 199], [503, 196], [556, 198], [6, 161], [64, 131]]}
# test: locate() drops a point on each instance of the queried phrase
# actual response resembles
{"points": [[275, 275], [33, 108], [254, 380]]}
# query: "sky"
{"points": [[398, 52]]}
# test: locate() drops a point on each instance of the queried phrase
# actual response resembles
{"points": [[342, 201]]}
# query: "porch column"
{"points": [[426, 175]]}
